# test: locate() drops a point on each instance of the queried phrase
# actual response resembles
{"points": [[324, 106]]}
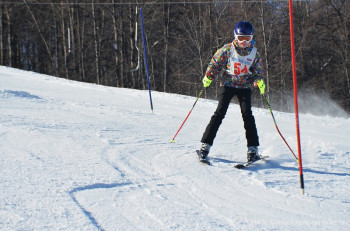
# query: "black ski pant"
{"points": [[225, 96]]}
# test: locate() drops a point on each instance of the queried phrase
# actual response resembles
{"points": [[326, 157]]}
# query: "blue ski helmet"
{"points": [[244, 28]]}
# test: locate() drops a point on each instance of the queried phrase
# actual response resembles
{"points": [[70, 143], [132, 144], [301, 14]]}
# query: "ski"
{"points": [[203, 161], [246, 164]]}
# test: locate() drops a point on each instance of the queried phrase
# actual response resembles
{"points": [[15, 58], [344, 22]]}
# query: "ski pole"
{"points": [[274, 120], [199, 95]]}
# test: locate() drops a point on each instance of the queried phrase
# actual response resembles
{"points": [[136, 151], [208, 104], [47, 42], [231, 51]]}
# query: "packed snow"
{"points": [[79, 156]]}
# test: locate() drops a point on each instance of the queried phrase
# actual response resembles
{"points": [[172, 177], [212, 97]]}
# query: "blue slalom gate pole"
{"points": [[146, 62]]}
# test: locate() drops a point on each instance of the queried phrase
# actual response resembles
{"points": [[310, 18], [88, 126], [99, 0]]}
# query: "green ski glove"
{"points": [[206, 81], [261, 85]]}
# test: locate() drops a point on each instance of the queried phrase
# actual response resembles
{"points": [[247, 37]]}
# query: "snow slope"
{"points": [[78, 156]]}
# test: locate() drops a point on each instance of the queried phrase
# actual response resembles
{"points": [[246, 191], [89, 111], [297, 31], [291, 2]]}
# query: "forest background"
{"points": [[100, 42]]}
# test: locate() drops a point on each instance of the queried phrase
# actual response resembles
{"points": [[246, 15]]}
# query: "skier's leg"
{"points": [[225, 96], [244, 97]]}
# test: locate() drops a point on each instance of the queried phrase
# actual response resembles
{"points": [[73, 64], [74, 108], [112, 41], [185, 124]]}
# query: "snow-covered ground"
{"points": [[78, 156]]}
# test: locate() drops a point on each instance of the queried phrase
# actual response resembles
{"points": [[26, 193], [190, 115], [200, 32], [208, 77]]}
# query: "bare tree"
{"points": [[1, 34], [43, 39], [341, 20], [64, 41], [9, 42], [166, 13], [97, 67]]}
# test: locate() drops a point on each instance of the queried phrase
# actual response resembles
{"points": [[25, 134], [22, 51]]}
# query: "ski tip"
{"points": [[239, 166], [205, 162], [246, 164], [172, 141]]}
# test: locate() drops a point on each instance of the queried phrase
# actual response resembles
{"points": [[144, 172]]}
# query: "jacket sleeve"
{"points": [[256, 68], [216, 63]]}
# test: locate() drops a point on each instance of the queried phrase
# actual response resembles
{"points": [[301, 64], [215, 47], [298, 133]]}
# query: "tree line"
{"points": [[100, 42]]}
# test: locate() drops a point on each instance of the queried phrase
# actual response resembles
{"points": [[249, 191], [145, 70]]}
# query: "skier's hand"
{"points": [[261, 85], [206, 81]]}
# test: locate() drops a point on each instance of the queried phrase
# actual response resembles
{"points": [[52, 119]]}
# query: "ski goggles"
{"points": [[242, 38]]}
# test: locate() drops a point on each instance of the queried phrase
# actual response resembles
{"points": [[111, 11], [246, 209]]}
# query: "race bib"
{"points": [[240, 65]]}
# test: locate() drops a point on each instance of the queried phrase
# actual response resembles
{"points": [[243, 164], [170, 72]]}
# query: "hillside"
{"points": [[78, 156]]}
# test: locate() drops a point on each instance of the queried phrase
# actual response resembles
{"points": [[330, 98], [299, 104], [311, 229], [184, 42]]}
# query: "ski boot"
{"points": [[252, 154], [204, 151]]}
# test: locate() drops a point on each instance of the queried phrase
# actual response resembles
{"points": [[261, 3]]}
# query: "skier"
{"points": [[241, 66]]}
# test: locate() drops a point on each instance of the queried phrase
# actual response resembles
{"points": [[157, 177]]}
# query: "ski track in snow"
{"points": [[80, 156]]}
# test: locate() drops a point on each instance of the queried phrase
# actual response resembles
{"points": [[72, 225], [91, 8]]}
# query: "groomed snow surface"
{"points": [[78, 156]]}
